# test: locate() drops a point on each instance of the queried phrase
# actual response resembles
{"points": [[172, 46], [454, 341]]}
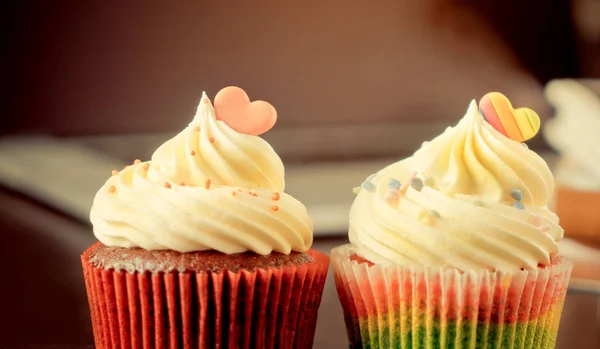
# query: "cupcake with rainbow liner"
{"points": [[454, 247], [200, 247]]}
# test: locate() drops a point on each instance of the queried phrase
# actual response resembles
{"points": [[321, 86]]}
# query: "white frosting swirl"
{"points": [[208, 188], [463, 216], [573, 132]]}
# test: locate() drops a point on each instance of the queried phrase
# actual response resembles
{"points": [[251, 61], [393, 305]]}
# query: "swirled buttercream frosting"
{"points": [[470, 199], [208, 188]]}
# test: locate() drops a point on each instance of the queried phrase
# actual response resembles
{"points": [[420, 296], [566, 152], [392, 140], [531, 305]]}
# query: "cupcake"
{"points": [[200, 247], [573, 132], [454, 247]]}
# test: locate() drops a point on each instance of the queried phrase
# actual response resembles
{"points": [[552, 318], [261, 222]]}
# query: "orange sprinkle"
{"points": [[233, 193], [275, 196], [211, 139], [205, 100], [275, 208], [251, 193], [137, 161], [193, 153], [146, 166], [197, 128], [167, 185], [112, 189], [115, 172], [182, 184], [207, 184]]}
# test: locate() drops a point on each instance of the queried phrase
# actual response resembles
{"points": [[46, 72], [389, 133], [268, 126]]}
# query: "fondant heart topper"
{"points": [[232, 106], [517, 124]]}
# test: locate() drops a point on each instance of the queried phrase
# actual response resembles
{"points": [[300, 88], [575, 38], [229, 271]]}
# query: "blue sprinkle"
{"points": [[417, 183], [519, 205], [516, 194], [368, 186], [394, 184]]}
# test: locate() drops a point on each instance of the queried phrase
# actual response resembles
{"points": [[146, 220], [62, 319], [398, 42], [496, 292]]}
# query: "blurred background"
{"points": [[93, 85]]}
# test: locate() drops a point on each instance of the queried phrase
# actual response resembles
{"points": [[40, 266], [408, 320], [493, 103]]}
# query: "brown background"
{"points": [[116, 66]]}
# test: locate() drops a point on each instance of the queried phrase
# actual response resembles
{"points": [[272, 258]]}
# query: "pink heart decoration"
{"points": [[233, 106]]}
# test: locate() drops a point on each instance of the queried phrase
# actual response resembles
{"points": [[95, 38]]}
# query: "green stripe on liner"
{"points": [[454, 335]]}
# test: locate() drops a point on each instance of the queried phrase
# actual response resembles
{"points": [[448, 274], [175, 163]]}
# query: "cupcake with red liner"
{"points": [[200, 247], [454, 247]]}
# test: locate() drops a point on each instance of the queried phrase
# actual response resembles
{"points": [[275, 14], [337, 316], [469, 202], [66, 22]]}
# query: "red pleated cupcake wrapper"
{"points": [[395, 306], [264, 308]]}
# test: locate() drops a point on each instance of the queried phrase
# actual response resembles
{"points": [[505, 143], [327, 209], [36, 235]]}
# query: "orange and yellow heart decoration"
{"points": [[517, 124]]}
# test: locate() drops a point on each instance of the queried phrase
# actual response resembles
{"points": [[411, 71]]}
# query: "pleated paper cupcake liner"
{"points": [[389, 306], [264, 308]]}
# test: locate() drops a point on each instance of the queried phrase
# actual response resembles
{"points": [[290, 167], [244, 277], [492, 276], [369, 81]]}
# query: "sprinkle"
{"points": [[356, 190], [167, 185], [368, 186], [137, 161], [207, 184], [516, 194], [519, 205], [115, 172], [252, 194], [429, 181], [146, 166], [275, 196], [407, 183], [416, 183], [211, 139], [535, 220], [275, 208], [545, 228], [392, 197], [393, 183], [112, 189], [434, 213], [193, 153], [427, 217], [205, 100], [196, 128], [182, 184], [233, 193]]}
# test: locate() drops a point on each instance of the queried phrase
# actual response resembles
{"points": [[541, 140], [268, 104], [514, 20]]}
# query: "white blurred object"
{"points": [[60, 174], [574, 133]]}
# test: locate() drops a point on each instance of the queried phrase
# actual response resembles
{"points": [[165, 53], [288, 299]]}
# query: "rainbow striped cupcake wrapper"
{"points": [[389, 306]]}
